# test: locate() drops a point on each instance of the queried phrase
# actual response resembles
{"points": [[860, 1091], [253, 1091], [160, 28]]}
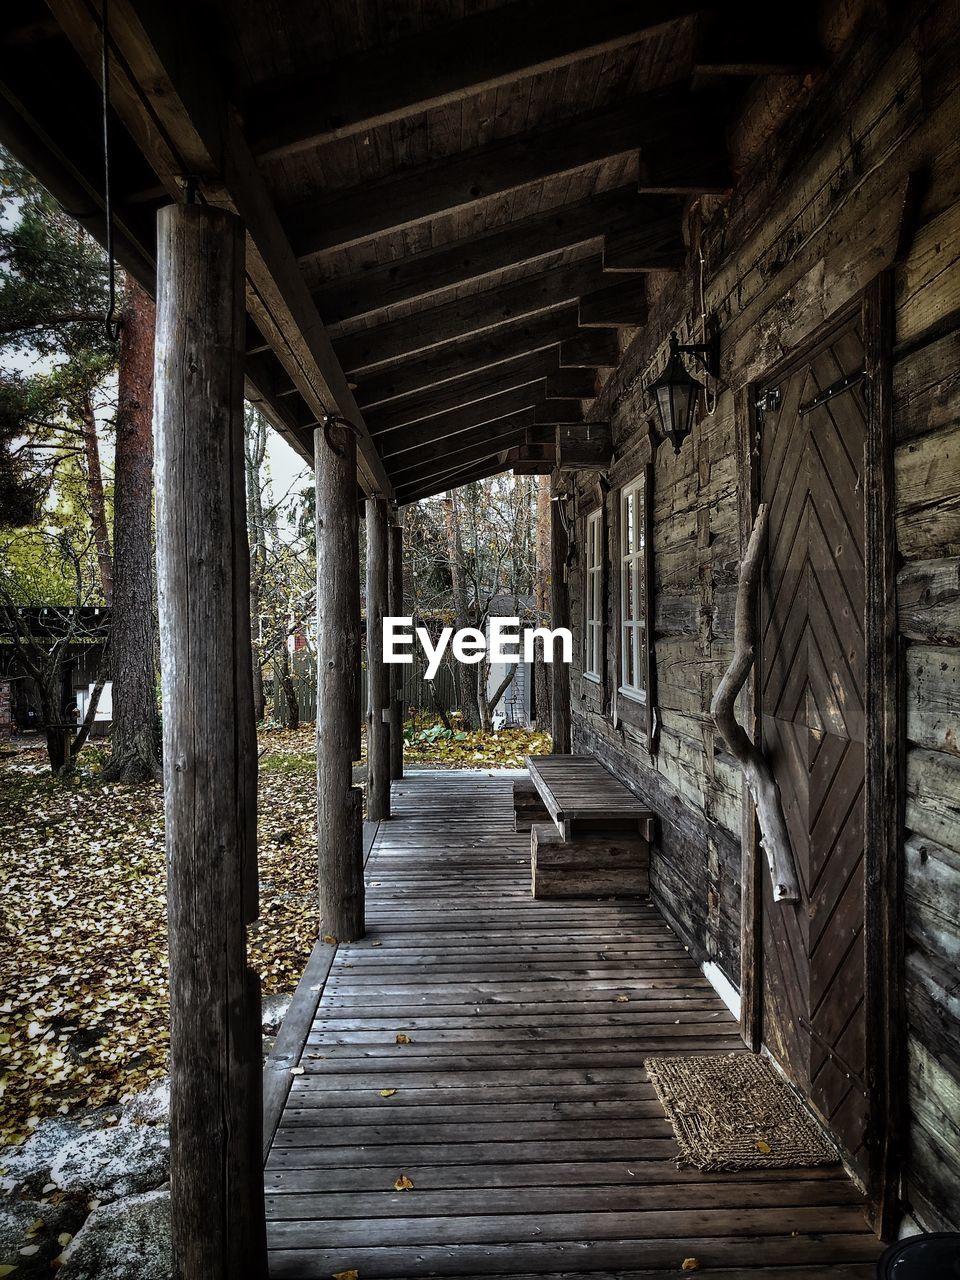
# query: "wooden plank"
{"points": [[428, 327], [426, 191], [480, 53], [433, 269], [516, 1099], [478, 413], [483, 353], [297, 1022]]}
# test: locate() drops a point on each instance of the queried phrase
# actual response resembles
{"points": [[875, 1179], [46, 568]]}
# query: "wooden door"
{"points": [[812, 659]]}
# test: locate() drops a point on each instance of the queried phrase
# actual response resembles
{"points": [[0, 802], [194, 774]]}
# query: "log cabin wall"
{"points": [[853, 174]]}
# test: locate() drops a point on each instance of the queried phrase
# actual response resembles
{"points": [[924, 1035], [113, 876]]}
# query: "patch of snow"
{"points": [[111, 1163], [152, 1106], [126, 1240], [274, 1010], [29, 1164]]}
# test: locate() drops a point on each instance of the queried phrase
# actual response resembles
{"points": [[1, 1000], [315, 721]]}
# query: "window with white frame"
{"points": [[633, 622], [593, 601]]}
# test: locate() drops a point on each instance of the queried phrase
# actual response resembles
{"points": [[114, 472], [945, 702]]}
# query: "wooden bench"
{"points": [[590, 837]]}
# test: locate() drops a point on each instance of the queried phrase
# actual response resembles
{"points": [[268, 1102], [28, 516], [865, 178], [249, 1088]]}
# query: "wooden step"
{"points": [[617, 864]]}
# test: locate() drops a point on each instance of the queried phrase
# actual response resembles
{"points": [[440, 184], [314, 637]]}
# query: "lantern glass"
{"points": [[675, 394]]}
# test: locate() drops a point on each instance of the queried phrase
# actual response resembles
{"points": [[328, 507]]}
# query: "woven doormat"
{"points": [[730, 1111]]}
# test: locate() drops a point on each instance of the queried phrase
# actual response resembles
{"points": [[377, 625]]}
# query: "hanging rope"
{"points": [[110, 323]]}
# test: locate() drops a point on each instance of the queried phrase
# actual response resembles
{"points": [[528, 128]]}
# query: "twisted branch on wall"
{"points": [[774, 836]]}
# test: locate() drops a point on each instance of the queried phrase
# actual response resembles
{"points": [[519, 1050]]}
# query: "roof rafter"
{"points": [[648, 225], [672, 120], [589, 348], [478, 53], [396, 339]]}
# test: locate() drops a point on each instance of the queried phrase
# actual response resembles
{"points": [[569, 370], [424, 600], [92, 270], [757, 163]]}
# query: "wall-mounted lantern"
{"points": [[675, 392]]}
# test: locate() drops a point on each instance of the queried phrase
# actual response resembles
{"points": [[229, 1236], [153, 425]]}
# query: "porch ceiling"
{"points": [[448, 217]]}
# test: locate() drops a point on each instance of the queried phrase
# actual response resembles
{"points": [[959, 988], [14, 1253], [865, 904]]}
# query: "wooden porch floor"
{"points": [[522, 1114]]}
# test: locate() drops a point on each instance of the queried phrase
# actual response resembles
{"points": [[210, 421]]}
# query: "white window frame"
{"points": [[633, 569], [593, 598]]}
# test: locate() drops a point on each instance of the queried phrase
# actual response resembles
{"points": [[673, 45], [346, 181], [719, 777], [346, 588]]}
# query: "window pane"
{"points": [[637, 658], [628, 524], [627, 657], [628, 592]]}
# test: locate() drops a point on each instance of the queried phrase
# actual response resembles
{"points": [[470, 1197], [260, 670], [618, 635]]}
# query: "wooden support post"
{"points": [[560, 611], [339, 804], [395, 608], [209, 741], [378, 673]]}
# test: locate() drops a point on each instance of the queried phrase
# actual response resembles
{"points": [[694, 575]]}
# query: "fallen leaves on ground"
{"points": [[83, 929], [83, 934]]}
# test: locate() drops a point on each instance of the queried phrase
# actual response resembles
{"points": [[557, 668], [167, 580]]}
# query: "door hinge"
{"points": [[835, 389]]}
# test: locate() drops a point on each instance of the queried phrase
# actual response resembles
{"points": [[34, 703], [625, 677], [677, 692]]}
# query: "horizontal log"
{"points": [[928, 600], [395, 339], [928, 495], [430, 270], [933, 792], [933, 697], [438, 67], [389, 204]]}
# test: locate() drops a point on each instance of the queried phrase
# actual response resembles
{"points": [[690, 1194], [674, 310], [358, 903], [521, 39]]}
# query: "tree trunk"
{"points": [[541, 682], [339, 803], [560, 610], [254, 452], [210, 783], [466, 677], [378, 672], [135, 734], [98, 506], [291, 708]]}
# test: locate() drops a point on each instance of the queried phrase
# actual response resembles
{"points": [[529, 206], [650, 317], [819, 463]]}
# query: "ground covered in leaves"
{"points": [[83, 949]]}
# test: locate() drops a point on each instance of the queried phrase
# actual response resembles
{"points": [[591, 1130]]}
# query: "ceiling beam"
{"points": [[533, 333], [431, 270], [670, 119], [166, 92], [477, 54], [460, 392], [417, 468], [398, 339], [440, 484], [448, 426]]}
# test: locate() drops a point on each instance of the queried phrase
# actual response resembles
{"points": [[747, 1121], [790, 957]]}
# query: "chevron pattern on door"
{"points": [[813, 728]]}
